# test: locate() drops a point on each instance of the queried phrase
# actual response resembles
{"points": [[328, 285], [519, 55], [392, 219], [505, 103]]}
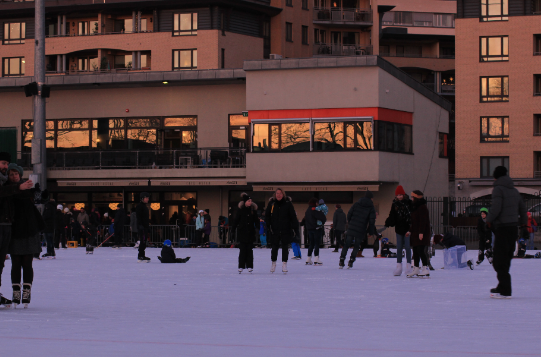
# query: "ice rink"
{"points": [[110, 305]]}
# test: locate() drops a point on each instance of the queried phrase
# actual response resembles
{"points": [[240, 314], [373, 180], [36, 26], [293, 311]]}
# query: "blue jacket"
{"points": [[200, 222]]}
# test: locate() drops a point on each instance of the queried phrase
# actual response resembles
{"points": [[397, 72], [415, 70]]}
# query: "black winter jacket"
{"points": [[142, 217], [120, 219], [59, 222], [507, 204], [449, 240], [49, 217], [311, 217], [27, 221], [281, 220], [6, 203], [400, 215], [246, 223], [168, 255], [362, 215], [339, 220]]}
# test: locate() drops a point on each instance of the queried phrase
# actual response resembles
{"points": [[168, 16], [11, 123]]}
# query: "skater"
{"points": [[246, 224], [90, 233], [199, 226], [263, 233], [282, 223], [361, 220], [485, 238], [133, 224], [400, 218], [168, 254], [25, 238], [143, 225], [119, 222], [339, 225], [419, 234], [60, 228], [507, 206], [49, 217], [532, 228], [207, 229], [313, 221]]}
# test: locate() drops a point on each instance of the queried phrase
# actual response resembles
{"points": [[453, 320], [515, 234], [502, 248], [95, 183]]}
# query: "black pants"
{"points": [[5, 237], [504, 246], [49, 238], [198, 237], [338, 238], [119, 236], [314, 235], [484, 245], [276, 243], [246, 256], [419, 255], [142, 241], [23, 262], [60, 238], [356, 246]]}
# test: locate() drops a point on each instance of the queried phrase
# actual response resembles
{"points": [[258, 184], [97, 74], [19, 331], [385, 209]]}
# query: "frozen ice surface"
{"points": [[107, 304]]}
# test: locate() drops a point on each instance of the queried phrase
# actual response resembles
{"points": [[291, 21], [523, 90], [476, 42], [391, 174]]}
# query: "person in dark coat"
{"points": [[361, 221], [419, 234], [400, 218], [168, 254], [448, 240], [120, 221], [246, 224], [49, 217], [339, 221], [485, 238], [143, 225], [507, 207], [25, 239], [282, 223], [60, 228], [311, 218]]}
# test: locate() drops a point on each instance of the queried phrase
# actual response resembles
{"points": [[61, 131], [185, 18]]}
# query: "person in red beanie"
{"points": [[400, 218]]}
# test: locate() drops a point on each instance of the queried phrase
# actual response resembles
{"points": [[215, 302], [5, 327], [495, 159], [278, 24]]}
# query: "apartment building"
{"points": [[498, 64]]}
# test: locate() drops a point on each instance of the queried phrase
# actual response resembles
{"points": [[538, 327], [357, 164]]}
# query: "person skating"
{"points": [[60, 228], [282, 223], [507, 207], [361, 220], [25, 239], [485, 238], [419, 234], [49, 217], [143, 225], [313, 221], [133, 224], [168, 254], [400, 218], [246, 224], [199, 226], [119, 222], [339, 224]]}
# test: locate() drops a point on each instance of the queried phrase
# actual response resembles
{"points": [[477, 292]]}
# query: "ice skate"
{"points": [[143, 259], [335, 250], [16, 294], [240, 270], [116, 247], [136, 244], [6, 302], [409, 268], [273, 267], [430, 267], [250, 270], [341, 264], [317, 261], [284, 267], [350, 263], [48, 256], [414, 273], [26, 294], [424, 273], [296, 258], [470, 264], [89, 249], [309, 261], [398, 269]]}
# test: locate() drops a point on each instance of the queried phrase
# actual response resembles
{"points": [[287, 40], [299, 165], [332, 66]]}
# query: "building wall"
{"points": [[438, 6], [522, 105], [298, 17]]}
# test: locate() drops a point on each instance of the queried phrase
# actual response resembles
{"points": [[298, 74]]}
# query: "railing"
{"points": [[342, 50], [416, 55], [158, 159], [446, 88], [343, 15], [98, 71], [98, 33], [537, 174]]}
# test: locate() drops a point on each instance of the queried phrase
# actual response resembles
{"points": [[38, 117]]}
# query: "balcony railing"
{"points": [[342, 50], [447, 88], [98, 33], [416, 55], [343, 16], [537, 174], [147, 159], [98, 71]]}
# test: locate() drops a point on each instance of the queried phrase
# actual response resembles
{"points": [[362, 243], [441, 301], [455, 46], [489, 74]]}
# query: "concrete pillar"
{"points": [[133, 21], [64, 25], [138, 21], [58, 63], [138, 59], [134, 60], [59, 25], [437, 79], [63, 63]]}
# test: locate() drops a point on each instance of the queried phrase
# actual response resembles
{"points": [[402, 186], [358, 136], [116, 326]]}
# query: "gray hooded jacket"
{"points": [[507, 205]]}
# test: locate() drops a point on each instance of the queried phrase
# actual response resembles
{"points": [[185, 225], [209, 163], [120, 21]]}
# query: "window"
{"points": [[289, 3], [223, 58], [444, 20], [423, 19], [537, 45], [289, 32], [489, 163], [409, 51], [536, 7], [494, 129], [494, 49], [305, 35], [495, 89], [123, 26], [443, 145], [185, 24], [319, 36], [388, 18], [393, 137], [83, 28], [13, 67], [281, 137], [238, 131], [14, 33], [537, 84], [403, 18], [537, 125], [60, 134], [384, 50], [180, 133], [143, 27], [87, 64], [305, 4], [332, 136], [184, 60], [494, 10]]}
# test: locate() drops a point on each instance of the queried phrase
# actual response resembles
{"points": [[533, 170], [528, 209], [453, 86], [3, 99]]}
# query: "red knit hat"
{"points": [[399, 191]]}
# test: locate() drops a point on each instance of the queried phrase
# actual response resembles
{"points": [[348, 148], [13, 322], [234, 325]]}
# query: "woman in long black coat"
{"points": [[246, 224], [419, 234], [25, 240]]}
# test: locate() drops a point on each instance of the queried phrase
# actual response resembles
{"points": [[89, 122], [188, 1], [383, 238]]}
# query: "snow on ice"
{"points": [[110, 305]]}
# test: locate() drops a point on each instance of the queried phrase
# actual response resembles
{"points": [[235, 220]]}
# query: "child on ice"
{"points": [[168, 254]]}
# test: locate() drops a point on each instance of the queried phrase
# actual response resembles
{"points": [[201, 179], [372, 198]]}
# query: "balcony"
{"points": [[322, 49], [147, 159], [343, 16]]}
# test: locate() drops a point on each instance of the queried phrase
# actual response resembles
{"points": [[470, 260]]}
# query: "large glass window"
{"points": [[494, 129], [14, 32], [260, 138], [494, 48], [494, 10], [123, 61], [289, 32], [180, 133], [342, 135], [184, 60], [185, 24], [238, 131], [489, 163], [495, 89], [304, 35], [13, 67], [394, 137], [282, 137]]}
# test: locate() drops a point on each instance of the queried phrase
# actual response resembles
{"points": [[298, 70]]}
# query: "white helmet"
{"points": [[60, 207]]}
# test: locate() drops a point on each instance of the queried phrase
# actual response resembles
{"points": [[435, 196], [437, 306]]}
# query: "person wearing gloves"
{"points": [[246, 224], [313, 219], [168, 254], [419, 234], [400, 218], [485, 238]]}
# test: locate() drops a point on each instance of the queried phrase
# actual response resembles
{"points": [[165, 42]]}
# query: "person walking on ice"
{"points": [[246, 224], [313, 221], [485, 238], [400, 218], [144, 226], [419, 234]]}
